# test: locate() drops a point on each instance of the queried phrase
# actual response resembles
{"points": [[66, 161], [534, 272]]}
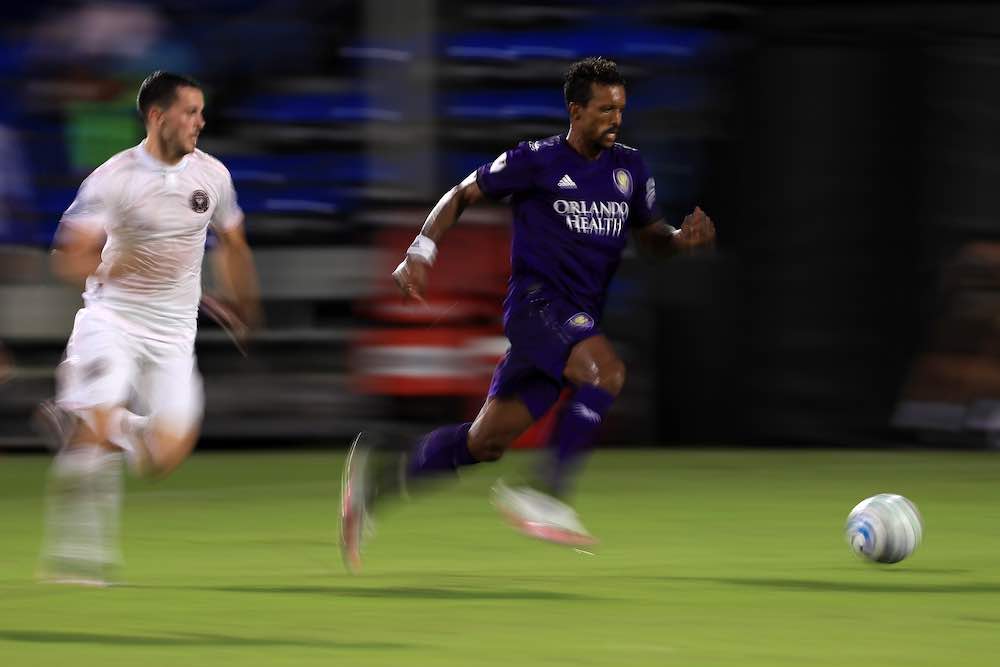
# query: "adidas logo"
{"points": [[566, 183], [586, 413]]}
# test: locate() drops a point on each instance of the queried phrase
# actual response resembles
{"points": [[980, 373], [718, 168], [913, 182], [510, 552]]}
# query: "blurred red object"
{"points": [[450, 345]]}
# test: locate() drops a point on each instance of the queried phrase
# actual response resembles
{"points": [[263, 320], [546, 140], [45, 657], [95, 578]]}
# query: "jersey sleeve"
{"points": [[228, 214], [93, 208], [644, 207], [512, 172]]}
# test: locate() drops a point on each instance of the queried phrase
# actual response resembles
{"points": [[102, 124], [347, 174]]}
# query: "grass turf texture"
{"points": [[708, 558]]}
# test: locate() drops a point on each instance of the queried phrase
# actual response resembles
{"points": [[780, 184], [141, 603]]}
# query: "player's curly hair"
{"points": [[160, 90], [582, 73]]}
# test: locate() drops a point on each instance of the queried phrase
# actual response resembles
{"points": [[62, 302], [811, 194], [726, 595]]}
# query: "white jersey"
{"points": [[158, 215]]}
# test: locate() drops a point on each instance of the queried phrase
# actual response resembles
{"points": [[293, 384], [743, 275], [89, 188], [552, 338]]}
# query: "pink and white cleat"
{"points": [[353, 503], [541, 516]]}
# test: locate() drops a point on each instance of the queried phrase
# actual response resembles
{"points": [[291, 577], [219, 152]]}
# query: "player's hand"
{"points": [[696, 231], [228, 320], [411, 278], [249, 311]]}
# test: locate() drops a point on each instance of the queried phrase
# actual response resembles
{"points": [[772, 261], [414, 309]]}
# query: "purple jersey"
{"points": [[571, 215]]}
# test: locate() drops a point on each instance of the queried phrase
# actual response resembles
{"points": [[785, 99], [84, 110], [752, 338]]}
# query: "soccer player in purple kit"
{"points": [[573, 197]]}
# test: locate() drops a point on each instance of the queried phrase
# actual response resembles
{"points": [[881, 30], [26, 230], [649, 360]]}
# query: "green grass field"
{"points": [[713, 557]]}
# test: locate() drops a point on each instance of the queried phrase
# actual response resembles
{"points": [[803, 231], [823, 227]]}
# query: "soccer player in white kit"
{"points": [[136, 235]]}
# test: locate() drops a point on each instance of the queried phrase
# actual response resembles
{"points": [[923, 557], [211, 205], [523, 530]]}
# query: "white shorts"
{"points": [[106, 367]]}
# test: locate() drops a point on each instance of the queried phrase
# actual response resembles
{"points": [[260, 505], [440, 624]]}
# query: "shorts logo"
{"points": [[623, 181], [199, 201], [650, 193], [590, 415], [581, 321]]}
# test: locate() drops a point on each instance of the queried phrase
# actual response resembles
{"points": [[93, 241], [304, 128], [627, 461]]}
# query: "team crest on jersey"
{"points": [[581, 321], [199, 201], [623, 181]]}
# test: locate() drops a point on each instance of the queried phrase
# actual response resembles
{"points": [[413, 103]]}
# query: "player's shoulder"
{"points": [[120, 161], [538, 151], [210, 164], [112, 173], [544, 146]]}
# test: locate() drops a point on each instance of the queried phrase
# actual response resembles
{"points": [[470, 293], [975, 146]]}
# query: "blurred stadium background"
{"points": [[848, 155]]}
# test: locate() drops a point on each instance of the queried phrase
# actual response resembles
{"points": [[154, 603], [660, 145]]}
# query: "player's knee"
{"points": [[171, 449], [581, 374], [612, 378], [93, 427], [608, 375]]}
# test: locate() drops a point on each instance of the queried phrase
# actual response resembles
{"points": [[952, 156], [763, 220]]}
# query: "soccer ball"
{"points": [[885, 528]]}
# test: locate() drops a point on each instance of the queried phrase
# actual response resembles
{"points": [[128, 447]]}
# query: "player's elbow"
{"points": [[57, 263], [467, 192], [233, 241], [68, 267]]}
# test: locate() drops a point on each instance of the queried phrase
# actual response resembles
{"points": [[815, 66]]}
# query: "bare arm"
{"points": [[411, 274], [450, 207], [235, 272], [662, 240], [76, 254]]}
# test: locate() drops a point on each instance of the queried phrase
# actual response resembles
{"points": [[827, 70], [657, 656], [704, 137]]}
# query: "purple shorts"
{"points": [[542, 328]]}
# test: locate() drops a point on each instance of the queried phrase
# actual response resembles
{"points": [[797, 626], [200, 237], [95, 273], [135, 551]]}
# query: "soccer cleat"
{"points": [[54, 424], [76, 581], [541, 516], [77, 572], [353, 503]]}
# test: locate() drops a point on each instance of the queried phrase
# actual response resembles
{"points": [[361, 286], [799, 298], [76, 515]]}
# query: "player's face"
{"points": [[601, 119], [183, 121]]}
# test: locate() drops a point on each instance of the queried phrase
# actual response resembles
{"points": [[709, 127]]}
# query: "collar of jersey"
{"points": [[564, 140], [148, 160]]}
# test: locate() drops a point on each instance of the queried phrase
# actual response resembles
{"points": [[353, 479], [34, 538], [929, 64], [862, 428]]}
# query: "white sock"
{"points": [[83, 502], [108, 491]]}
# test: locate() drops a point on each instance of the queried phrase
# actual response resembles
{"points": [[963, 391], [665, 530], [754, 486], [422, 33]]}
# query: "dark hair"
{"points": [[160, 90], [582, 73]]}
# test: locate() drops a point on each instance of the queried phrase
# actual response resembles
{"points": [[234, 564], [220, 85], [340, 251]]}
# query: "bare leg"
{"points": [[443, 451], [169, 448]]}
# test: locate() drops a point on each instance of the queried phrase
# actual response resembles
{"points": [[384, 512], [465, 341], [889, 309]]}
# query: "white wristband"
{"points": [[424, 248]]}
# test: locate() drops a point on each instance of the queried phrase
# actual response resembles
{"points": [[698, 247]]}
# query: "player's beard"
{"points": [[176, 143], [602, 142], [606, 138]]}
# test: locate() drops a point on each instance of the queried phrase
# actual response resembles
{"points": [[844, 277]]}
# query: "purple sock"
{"points": [[442, 450], [573, 436]]}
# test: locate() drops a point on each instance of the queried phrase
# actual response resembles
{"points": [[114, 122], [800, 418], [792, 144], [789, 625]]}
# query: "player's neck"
{"points": [[158, 151], [586, 149]]}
